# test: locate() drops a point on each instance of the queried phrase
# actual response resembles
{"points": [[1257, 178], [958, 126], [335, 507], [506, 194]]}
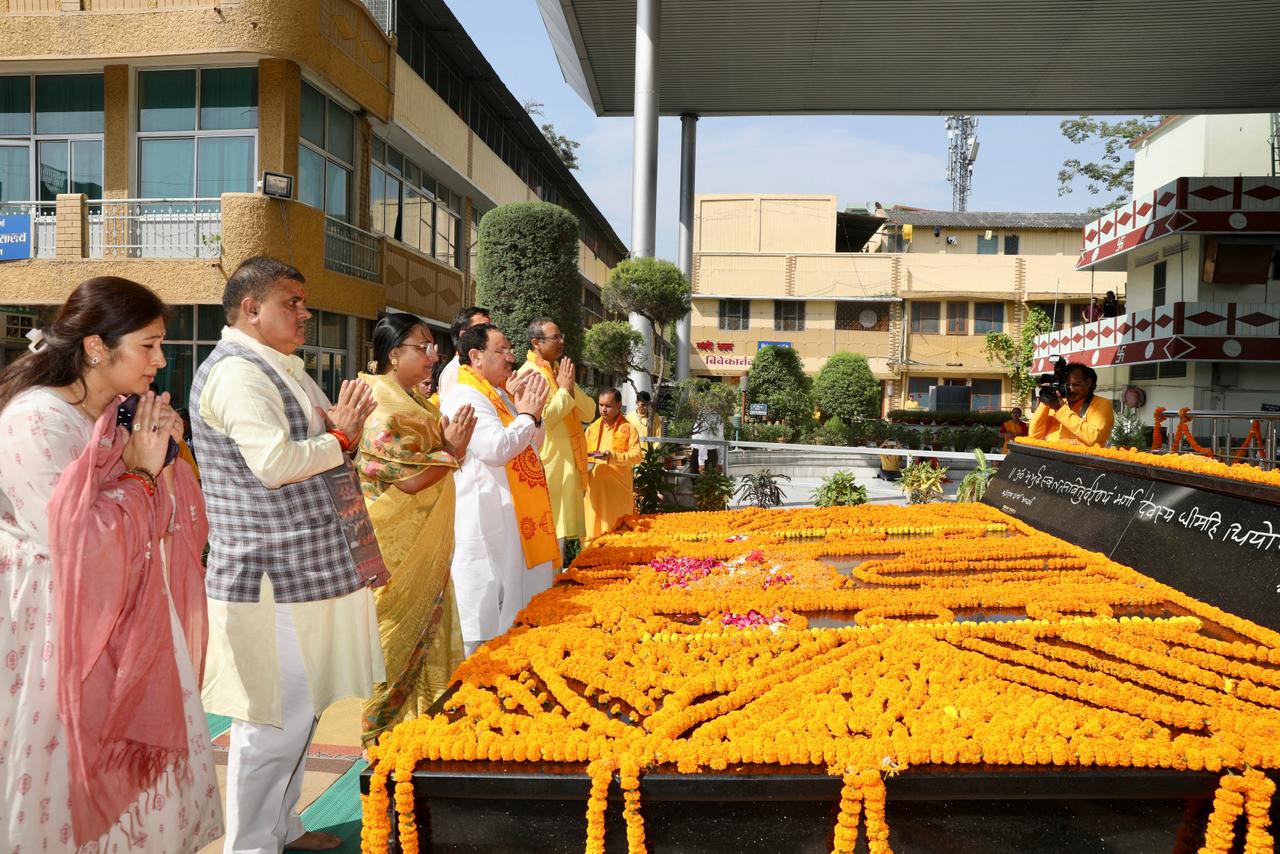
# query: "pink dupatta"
{"points": [[119, 694]]}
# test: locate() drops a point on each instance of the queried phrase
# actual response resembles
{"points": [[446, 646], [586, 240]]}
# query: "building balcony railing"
{"points": [[155, 228], [352, 251], [1180, 331]]}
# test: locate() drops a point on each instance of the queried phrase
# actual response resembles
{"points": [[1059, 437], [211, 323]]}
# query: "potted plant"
{"points": [[712, 489], [839, 489], [922, 482], [761, 489], [973, 486]]}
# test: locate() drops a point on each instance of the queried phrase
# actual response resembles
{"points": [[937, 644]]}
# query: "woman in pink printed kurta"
{"points": [[95, 526]]}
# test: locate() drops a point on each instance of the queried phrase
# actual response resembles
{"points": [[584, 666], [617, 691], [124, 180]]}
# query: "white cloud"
{"points": [[762, 155]]}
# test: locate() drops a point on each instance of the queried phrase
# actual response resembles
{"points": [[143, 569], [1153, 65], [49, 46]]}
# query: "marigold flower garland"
{"points": [[1194, 463], [953, 635]]}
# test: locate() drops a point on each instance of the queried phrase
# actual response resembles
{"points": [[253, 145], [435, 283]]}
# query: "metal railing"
{"points": [[1221, 444], [155, 228], [352, 251], [851, 451], [44, 225]]}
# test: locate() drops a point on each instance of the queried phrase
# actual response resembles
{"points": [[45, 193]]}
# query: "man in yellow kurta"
{"points": [[564, 450], [644, 417], [613, 446]]}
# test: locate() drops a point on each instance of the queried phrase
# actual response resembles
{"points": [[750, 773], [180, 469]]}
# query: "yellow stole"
{"points": [[528, 484], [577, 441], [621, 435]]}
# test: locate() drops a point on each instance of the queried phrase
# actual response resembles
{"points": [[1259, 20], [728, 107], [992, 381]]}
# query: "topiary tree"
{"points": [[612, 347], [655, 290], [777, 378], [846, 389], [528, 268], [704, 405]]}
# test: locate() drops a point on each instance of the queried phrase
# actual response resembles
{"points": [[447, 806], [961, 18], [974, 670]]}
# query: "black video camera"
{"points": [[1054, 385]]}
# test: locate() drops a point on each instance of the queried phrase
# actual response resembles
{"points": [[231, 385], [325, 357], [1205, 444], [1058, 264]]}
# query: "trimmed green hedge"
{"points": [[527, 268], [926, 416]]}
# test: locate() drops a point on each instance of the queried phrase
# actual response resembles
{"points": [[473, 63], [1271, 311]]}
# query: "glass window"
{"points": [[54, 165], [167, 169], [333, 330], [1159, 279], [310, 177], [988, 317], [788, 316], [957, 318], [985, 395], [210, 320], [335, 191], [925, 317], [167, 100], [377, 199], [69, 103], [735, 315], [311, 120], [225, 165], [1011, 244], [15, 173], [341, 138], [175, 377], [416, 220], [182, 323], [15, 105], [988, 245], [1056, 313], [228, 98], [918, 389], [86, 167]]}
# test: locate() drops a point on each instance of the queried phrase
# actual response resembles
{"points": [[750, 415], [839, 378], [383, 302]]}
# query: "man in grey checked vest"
{"points": [[292, 556]]}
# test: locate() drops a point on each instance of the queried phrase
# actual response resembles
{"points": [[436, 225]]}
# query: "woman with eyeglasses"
{"points": [[408, 453]]}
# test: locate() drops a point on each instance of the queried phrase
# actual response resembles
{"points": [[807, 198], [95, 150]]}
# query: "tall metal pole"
{"points": [[644, 174], [688, 162]]}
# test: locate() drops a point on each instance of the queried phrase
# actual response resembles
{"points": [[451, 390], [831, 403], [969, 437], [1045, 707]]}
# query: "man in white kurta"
{"points": [[491, 578], [468, 317], [274, 667]]}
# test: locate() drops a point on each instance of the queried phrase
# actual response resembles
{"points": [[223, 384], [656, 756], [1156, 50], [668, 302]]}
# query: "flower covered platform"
{"points": [[928, 678]]}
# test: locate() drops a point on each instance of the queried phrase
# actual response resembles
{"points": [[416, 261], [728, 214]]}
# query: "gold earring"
{"points": [[395, 363]]}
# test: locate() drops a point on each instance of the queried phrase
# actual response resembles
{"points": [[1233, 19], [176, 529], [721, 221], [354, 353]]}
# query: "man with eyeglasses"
{"points": [[505, 550], [564, 451], [1081, 417]]}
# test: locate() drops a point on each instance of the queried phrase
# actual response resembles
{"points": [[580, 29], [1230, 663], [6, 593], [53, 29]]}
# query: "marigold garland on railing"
{"points": [[1192, 463], [904, 636]]}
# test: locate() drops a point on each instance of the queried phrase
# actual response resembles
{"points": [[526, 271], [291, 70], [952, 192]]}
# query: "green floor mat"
{"points": [[218, 724], [337, 811]]}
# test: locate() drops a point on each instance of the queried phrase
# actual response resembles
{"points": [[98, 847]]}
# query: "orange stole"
{"points": [[577, 440], [528, 484], [621, 435]]}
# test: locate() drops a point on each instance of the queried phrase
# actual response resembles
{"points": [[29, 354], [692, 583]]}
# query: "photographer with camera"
{"points": [[1069, 411]]}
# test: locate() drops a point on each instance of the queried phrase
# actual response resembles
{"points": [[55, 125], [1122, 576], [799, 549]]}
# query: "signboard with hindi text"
{"points": [[15, 237], [1214, 539]]}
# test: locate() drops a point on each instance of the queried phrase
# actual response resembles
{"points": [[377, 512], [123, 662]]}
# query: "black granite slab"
{"points": [[1215, 539]]}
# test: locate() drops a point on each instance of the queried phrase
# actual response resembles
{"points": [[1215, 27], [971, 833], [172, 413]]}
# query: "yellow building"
{"points": [[777, 269], [135, 134]]}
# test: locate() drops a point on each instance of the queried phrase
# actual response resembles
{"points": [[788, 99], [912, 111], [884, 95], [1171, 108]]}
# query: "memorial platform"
{"points": [[940, 677]]}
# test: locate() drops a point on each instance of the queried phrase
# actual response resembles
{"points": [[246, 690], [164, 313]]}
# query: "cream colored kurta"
{"points": [[609, 485], [564, 412], [642, 425], [341, 649]]}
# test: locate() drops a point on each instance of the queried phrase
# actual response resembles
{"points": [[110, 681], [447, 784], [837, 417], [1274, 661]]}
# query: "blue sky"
{"points": [[891, 159]]}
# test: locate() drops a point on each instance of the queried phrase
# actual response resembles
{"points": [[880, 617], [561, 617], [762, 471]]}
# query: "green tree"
{"points": [[1015, 353], [566, 148], [777, 378], [656, 290], [846, 389], [528, 268], [1112, 172], [703, 405], [612, 347]]}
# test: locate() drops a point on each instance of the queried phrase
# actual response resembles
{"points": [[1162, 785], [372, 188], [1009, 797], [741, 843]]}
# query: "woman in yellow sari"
{"points": [[408, 454]]}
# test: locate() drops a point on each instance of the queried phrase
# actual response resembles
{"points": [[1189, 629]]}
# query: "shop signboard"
{"points": [[15, 237]]}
